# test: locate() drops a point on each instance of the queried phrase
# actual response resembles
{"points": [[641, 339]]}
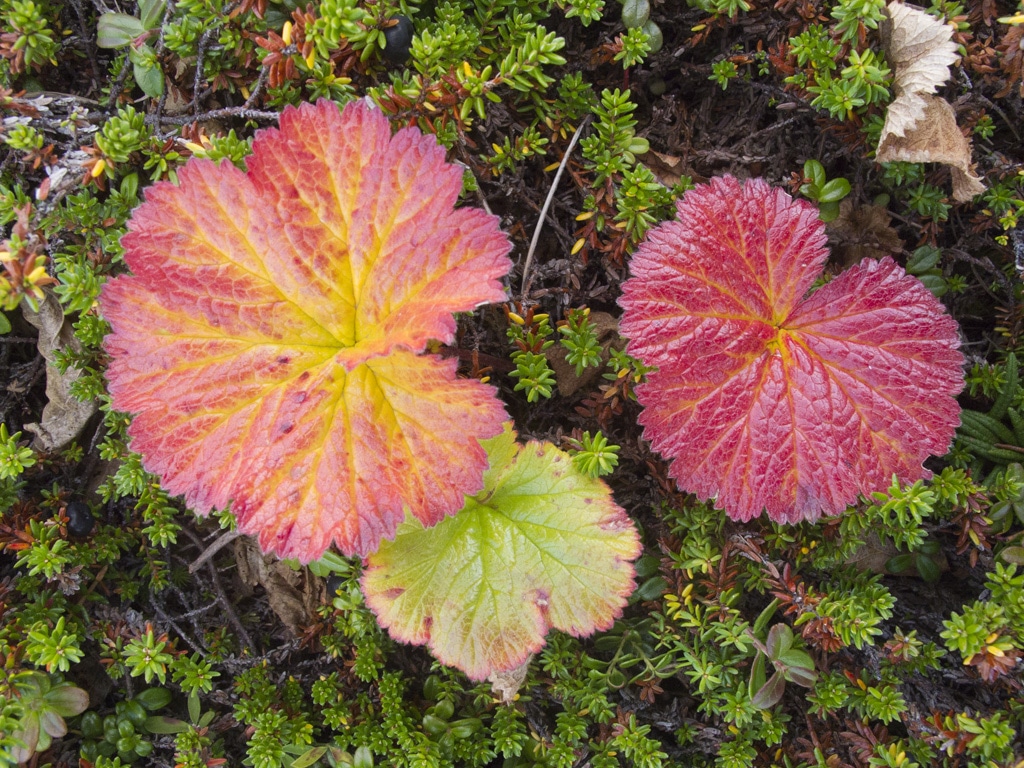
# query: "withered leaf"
{"points": [[920, 49], [64, 415], [936, 139], [862, 232], [920, 127], [565, 372]]}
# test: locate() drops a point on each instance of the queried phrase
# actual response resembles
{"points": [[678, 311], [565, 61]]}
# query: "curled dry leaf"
{"points": [[1011, 51], [64, 415], [936, 139], [920, 49], [667, 169], [294, 594], [920, 127], [506, 683]]}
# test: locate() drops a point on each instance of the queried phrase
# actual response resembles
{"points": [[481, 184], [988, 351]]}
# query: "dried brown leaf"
{"points": [[862, 232], [1012, 50], [920, 49], [64, 416], [668, 169], [936, 139], [506, 683], [293, 594], [565, 373], [920, 127]]}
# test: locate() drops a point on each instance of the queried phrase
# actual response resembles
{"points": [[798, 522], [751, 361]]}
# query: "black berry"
{"points": [[334, 583], [398, 40], [80, 519]]}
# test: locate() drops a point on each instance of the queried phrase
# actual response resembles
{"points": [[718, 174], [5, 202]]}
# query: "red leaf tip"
{"points": [[769, 399]]}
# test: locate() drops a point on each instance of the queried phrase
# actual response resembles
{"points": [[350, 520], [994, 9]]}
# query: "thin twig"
{"points": [[218, 588], [257, 90], [219, 114], [118, 87], [197, 81], [547, 204], [167, 618], [218, 544], [1006, 120]]}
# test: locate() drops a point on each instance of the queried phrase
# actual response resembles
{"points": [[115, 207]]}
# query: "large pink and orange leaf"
{"points": [[267, 341], [765, 399], [541, 546]]}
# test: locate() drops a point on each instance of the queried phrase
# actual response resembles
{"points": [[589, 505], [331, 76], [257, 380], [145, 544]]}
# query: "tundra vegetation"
{"points": [[479, 383]]}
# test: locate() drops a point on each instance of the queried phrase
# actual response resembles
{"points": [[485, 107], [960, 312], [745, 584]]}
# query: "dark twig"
{"points": [[117, 87], [222, 597], [197, 82], [219, 114], [258, 88], [163, 615]]}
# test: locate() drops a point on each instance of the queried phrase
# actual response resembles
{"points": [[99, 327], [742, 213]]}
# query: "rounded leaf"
{"points": [[771, 692], [833, 191], [542, 546], [635, 13], [154, 698], [52, 723], [160, 724], [769, 399], [67, 700], [114, 30], [31, 737], [269, 338], [655, 38]]}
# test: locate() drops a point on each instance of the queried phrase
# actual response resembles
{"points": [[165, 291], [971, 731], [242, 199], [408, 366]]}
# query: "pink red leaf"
{"points": [[769, 399], [541, 546], [268, 339]]}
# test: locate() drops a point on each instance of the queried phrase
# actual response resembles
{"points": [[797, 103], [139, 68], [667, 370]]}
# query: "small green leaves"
{"points": [[530, 335], [117, 30], [535, 375], [14, 459], [54, 649], [595, 456], [987, 435], [45, 705], [541, 546], [146, 656], [791, 664], [825, 192], [722, 72], [614, 145], [580, 340], [636, 15]]}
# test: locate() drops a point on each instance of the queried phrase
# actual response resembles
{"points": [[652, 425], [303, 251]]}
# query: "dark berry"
{"points": [[80, 519], [398, 40], [334, 583]]}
